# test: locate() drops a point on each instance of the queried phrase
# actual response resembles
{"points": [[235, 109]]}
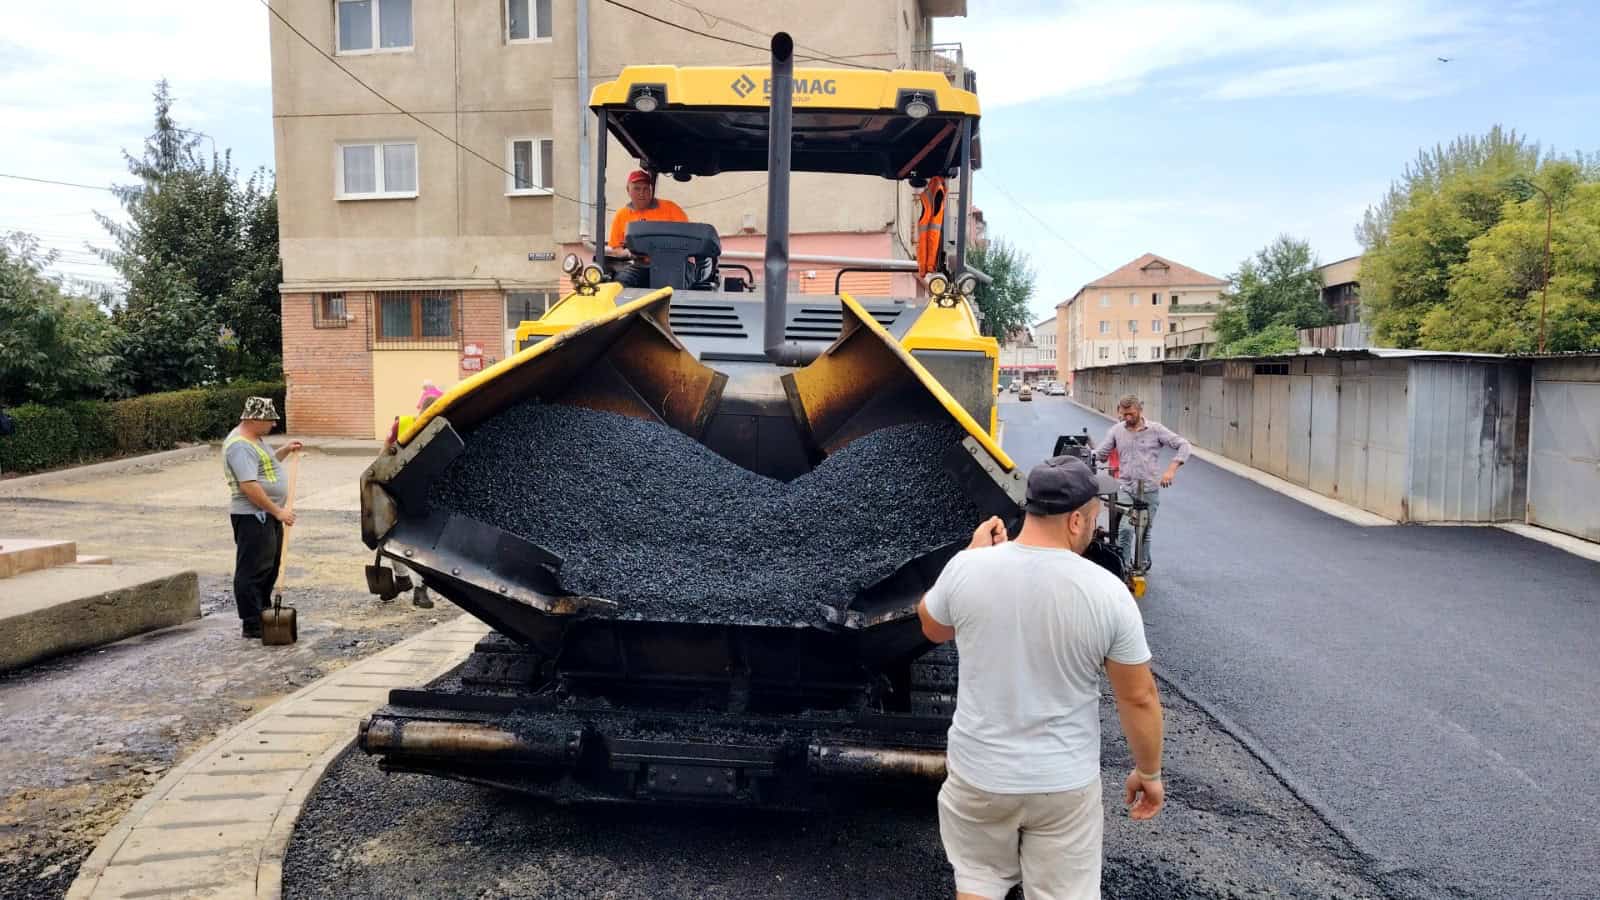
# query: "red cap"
{"points": [[640, 175]]}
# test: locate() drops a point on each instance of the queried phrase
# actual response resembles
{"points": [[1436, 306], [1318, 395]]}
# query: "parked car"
{"points": [[1056, 389], [1025, 394], [1015, 386]]}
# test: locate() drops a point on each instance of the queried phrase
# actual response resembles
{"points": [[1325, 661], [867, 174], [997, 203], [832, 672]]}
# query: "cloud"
{"points": [[76, 77], [1221, 49]]}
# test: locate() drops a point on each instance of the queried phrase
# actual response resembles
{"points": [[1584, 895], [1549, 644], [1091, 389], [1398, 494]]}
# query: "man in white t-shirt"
{"points": [[1035, 624]]}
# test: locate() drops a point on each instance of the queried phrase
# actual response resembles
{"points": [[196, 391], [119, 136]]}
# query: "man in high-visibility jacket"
{"points": [[257, 509], [643, 206]]}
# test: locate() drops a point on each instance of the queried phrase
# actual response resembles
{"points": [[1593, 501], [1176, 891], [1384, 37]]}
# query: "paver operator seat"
{"points": [[683, 255]]}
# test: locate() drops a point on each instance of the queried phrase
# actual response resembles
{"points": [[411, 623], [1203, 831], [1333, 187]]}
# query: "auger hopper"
{"points": [[699, 519]]}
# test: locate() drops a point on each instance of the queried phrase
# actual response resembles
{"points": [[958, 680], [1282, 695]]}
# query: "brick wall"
{"points": [[328, 370], [483, 322]]}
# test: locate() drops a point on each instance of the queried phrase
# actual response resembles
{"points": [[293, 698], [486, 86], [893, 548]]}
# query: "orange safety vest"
{"points": [[930, 227]]}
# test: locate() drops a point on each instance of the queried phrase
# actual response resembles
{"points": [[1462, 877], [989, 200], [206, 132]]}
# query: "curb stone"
{"points": [[219, 823]]}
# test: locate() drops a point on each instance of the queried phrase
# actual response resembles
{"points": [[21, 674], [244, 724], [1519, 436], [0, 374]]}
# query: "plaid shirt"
{"points": [[1139, 452]]}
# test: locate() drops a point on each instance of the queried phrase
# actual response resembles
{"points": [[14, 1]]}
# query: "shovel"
{"points": [[278, 625]]}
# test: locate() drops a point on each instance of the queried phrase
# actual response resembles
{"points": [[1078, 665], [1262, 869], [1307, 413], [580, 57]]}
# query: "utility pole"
{"points": [[1544, 292]]}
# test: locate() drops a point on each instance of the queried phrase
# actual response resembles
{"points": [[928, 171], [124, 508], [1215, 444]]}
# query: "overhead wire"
{"points": [[817, 55], [484, 159], [71, 184], [1042, 223]]}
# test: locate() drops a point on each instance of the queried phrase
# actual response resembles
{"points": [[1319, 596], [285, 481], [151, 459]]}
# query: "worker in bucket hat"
{"points": [[259, 492]]}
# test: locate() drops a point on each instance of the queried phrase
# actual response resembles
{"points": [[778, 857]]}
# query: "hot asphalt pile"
{"points": [[646, 516]]}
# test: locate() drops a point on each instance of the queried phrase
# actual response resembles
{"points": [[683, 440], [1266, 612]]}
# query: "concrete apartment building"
{"points": [[411, 247], [1126, 315], [1030, 354]]}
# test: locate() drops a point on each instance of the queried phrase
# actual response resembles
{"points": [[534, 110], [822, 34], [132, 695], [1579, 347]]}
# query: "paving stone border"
{"points": [[218, 825]]}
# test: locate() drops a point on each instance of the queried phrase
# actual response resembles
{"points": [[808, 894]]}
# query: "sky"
{"points": [[1196, 130]]}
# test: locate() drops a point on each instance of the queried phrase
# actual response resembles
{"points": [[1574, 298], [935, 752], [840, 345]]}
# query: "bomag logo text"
{"points": [[803, 87]]}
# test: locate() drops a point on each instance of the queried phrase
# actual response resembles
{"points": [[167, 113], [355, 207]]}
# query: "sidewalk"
{"points": [[219, 824]]}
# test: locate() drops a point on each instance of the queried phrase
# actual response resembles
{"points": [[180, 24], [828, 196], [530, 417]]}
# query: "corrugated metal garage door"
{"points": [[1564, 463]]}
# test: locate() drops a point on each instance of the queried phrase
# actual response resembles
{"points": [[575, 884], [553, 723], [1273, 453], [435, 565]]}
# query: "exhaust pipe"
{"points": [[463, 742], [780, 140], [843, 761]]}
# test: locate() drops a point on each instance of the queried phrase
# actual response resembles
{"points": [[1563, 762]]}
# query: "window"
{"points": [[526, 306], [367, 26], [1105, 352], [1105, 299], [1133, 326], [1155, 352], [1155, 299], [328, 311], [377, 170], [1133, 299], [416, 320], [1155, 326], [531, 162], [527, 20], [1174, 299], [1105, 327], [1133, 352]]}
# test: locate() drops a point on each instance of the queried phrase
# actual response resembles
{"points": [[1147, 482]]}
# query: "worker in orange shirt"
{"points": [[643, 206]]}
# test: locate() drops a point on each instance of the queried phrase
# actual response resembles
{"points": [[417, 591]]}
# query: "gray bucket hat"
{"points": [[259, 409]]}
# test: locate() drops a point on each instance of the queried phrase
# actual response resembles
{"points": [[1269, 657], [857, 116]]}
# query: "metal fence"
{"points": [[1564, 460], [1415, 439]]}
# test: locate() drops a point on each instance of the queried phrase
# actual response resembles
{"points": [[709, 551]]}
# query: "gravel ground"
{"points": [[84, 736], [1229, 830], [645, 515]]}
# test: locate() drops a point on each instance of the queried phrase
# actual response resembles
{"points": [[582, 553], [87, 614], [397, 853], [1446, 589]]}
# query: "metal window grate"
{"points": [[414, 320], [329, 311]]}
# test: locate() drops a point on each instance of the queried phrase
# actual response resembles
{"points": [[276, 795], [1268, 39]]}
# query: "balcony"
{"points": [[944, 8], [944, 58]]}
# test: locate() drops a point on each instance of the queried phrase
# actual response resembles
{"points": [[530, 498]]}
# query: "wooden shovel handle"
{"points": [[283, 552]]}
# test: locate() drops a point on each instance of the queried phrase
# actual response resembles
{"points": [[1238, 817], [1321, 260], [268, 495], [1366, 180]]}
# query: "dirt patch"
{"points": [[84, 736]]}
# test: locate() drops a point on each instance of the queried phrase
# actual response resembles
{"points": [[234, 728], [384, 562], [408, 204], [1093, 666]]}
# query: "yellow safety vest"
{"points": [[269, 472]]}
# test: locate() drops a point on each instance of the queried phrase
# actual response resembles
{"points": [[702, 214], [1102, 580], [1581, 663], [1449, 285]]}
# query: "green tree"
{"points": [[1003, 302], [1494, 296], [1272, 294], [1425, 225], [199, 255], [54, 346]]}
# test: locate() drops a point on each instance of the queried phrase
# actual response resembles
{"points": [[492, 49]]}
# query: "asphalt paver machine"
{"points": [[583, 697]]}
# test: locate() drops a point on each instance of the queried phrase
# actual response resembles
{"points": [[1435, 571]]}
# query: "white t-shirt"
{"points": [[1033, 628]]}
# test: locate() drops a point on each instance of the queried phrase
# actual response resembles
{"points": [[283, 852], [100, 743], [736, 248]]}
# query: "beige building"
{"points": [[1030, 354], [412, 241], [1341, 289], [1127, 315]]}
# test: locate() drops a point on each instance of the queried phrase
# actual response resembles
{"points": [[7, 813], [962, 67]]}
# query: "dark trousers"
{"points": [[633, 276], [257, 546]]}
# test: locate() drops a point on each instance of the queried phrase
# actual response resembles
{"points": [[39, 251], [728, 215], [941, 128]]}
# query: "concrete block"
{"points": [[92, 561], [20, 555], [54, 611]]}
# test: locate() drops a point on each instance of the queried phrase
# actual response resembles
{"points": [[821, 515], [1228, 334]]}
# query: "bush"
{"points": [[45, 437], [88, 430], [97, 438]]}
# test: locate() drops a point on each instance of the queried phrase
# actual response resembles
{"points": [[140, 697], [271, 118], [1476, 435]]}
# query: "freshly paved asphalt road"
{"points": [[1433, 689]]}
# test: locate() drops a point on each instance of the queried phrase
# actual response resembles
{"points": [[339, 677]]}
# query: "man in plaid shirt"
{"points": [[1138, 442]]}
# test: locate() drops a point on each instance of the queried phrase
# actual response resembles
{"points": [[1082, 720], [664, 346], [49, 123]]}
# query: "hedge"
{"points": [[88, 430]]}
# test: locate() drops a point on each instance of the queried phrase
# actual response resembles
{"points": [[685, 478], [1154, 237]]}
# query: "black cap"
{"points": [[1060, 485]]}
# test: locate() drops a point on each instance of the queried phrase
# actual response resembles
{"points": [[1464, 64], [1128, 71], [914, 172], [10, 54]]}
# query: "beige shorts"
{"points": [[1051, 843]]}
